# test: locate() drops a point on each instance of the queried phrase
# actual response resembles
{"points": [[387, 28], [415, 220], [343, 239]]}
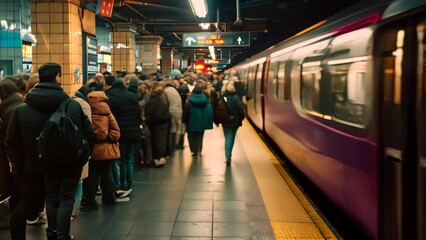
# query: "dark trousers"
{"points": [[159, 140], [195, 140], [32, 193], [60, 196], [102, 169]]}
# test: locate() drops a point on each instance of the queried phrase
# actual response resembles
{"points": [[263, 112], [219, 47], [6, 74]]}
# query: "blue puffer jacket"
{"points": [[198, 114]]}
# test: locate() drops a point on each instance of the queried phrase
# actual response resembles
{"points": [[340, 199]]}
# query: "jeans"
{"points": [[195, 140], [60, 196], [116, 174], [32, 193], [230, 133], [128, 152], [78, 196]]}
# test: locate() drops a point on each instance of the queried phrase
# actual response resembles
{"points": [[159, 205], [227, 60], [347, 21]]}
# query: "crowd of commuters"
{"points": [[128, 120]]}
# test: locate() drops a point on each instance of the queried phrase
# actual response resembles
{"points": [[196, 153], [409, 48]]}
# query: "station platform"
{"points": [[202, 198]]}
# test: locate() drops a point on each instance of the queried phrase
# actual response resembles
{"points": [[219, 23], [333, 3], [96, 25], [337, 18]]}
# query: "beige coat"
{"points": [[86, 110]]}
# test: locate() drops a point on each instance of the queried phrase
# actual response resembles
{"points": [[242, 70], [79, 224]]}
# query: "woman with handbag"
{"points": [[105, 152]]}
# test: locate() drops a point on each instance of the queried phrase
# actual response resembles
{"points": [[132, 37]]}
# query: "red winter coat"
{"points": [[106, 128]]}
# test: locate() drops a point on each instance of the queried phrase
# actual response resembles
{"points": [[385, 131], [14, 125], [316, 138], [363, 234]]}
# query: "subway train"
{"points": [[345, 101]]}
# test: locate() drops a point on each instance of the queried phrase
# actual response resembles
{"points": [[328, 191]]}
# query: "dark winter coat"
{"points": [[125, 108], [156, 111], [26, 123], [106, 128], [198, 113], [6, 108], [235, 109]]}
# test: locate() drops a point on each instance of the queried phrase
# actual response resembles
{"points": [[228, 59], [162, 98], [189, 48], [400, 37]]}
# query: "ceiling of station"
{"points": [[268, 21]]}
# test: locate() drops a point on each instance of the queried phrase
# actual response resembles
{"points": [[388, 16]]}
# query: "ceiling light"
{"points": [[199, 8], [204, 26]]}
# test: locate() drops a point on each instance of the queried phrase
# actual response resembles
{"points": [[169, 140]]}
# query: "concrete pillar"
{"points": [[58, 27], [148, 52], [123, 51], [177, 60], [166, 60]]}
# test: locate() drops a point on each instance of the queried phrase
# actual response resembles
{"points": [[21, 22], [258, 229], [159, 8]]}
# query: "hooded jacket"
{"points": [[125, 108], [198, 114], [106, 128], [26, 123]]}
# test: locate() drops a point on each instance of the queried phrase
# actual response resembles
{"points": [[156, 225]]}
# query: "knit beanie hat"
{"points": [[49, 71]]}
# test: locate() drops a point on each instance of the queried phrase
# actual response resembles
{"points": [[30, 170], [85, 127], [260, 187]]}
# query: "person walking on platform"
{"points": [[10, 99], [236, 111], [104, 153], [198, 117], [21, 145], [158, 118], [125, 108]]}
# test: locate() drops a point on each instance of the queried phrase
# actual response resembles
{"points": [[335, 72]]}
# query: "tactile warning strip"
{"points": [[324, 230], [284, 230]]}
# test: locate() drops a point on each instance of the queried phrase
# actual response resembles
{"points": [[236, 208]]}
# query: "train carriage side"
{"points": [[317, 110]]}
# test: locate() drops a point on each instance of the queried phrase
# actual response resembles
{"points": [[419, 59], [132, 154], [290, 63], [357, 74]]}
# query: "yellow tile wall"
{"points": [[58, 30], [123, 58]]}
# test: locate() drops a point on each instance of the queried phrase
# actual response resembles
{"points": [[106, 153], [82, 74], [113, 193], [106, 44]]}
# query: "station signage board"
{"points": [[218, 61], [216, 39]]}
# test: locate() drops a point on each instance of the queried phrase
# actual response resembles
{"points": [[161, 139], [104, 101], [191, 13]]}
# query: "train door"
{"points": [[258, 95], [402, 128]]}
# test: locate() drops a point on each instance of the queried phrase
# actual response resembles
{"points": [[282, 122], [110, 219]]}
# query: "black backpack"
{"points": [[60, 142]]}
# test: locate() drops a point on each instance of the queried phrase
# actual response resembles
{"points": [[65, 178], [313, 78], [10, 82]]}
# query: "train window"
{"points": [[280, 82], [310, 95], [287, 84], [258, 84], [348, 89], [272, 79]]}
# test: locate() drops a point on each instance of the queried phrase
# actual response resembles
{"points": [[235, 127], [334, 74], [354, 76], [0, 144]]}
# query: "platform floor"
{"points": [[202, 198]]}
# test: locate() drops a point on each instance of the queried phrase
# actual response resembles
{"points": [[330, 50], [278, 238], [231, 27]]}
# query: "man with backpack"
{"points": [[49, 114]]}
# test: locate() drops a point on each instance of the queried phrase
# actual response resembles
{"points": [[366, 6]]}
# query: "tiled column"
{"points": [[149, 52], [123, 51], [177, 60], [58, 28], [167, 60]]}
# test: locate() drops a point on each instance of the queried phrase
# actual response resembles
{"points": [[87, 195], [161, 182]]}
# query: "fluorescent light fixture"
{"points": [[212, 53], [204, 26], [199, 8]]}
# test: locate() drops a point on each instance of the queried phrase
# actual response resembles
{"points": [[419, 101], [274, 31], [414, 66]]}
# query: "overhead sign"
{"points": [[218, 61], [216, 39]]}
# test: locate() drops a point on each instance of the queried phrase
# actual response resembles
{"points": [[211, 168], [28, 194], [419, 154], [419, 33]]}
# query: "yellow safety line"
{"points": [[317, 219]]}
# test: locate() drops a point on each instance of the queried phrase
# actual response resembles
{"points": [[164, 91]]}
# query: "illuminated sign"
{"points": [[104, 8], [217, 61], [219, 39]]}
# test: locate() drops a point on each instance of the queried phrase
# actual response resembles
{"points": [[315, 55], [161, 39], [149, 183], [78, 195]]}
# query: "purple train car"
{"points": [[345, 100]]}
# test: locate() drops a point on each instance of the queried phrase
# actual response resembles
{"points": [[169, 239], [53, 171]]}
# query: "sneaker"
{"points": [[38, 221], [162, 161], [125, 193], [88, 208], [156, 162], [99, 192], [122, 199]]}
